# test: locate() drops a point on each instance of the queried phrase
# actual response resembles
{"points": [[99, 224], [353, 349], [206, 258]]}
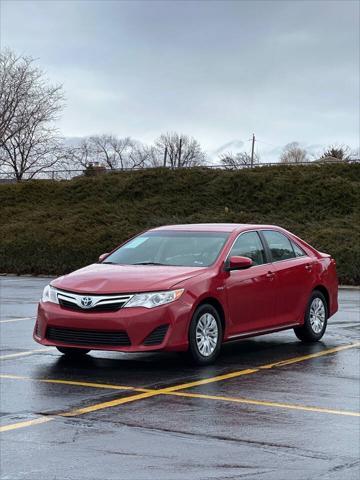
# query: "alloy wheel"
{"points": [[317, 315], [207, 334]]}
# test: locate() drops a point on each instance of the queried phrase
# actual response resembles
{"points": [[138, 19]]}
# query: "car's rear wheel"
{"points": [[73, 352], [315, 319], [205, 335]]}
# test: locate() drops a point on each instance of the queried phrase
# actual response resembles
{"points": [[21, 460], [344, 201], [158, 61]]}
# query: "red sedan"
{"points": [[190, 288]]}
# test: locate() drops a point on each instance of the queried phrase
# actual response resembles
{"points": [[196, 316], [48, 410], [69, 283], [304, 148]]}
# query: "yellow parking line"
{"points": [[176, 388], [80, 411], [10, 320], [195, 383], [27, 423], [73, 382], [205, 381], [174, 393], [153, 393], [111, 403], [249, 401], [168, 390], [282, 363], [23, 354]]}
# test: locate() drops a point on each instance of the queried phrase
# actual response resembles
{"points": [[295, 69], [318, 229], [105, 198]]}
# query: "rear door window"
{"points": [[279, 245]]}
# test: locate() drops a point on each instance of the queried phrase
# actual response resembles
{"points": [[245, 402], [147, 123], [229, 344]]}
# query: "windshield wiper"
{"points": [[110, 263], [149, 263]]}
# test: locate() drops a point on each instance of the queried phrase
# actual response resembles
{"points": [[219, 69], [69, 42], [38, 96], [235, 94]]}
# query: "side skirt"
{"points": [[256, 333]]}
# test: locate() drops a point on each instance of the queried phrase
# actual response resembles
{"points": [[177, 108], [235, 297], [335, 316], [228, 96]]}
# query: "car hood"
{"points": [[102, 278]]}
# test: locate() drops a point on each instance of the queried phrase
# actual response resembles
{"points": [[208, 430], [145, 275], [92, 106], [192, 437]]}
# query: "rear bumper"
{"points": [[138, 323]]}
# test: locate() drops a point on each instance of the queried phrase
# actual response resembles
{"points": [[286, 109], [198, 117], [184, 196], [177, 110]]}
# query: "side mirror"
{"points": [[103, 256], [238, 263]]}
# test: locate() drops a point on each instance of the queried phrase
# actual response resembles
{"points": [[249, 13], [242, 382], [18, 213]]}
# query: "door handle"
{"points": [[270, 275], [308, 268]]}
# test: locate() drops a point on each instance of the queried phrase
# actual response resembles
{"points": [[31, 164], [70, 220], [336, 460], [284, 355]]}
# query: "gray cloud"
{"points": [[286, 70]]}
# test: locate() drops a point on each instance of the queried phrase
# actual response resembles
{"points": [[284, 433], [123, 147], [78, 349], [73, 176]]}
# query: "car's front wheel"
{"points": [[73, 352], [205, 335], [315, 319]]}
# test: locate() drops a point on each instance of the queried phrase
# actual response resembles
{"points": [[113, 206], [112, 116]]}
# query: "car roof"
{"points": [[214, 227]]}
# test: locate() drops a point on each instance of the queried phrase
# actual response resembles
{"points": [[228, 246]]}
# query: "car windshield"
{"points": [[169, 247]]}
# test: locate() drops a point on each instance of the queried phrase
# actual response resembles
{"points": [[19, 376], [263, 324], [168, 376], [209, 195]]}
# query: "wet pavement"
{"points": [[271, 408]]}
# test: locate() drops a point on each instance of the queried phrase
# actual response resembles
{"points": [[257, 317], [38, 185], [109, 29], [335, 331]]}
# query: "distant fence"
{"points": [[68, 174]]}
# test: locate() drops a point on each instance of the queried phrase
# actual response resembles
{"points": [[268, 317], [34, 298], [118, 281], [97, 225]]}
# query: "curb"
{"points": [[349, 287]]}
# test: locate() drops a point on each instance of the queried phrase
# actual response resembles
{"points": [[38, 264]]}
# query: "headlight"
{"points": [[154, 299], [49, 294]]}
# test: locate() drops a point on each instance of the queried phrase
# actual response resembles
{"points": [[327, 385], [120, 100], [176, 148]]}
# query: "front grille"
{"points": [[156, 336], [110, 307], [88, 337]]}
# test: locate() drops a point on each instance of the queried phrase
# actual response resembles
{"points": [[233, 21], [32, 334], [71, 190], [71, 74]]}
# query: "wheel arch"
{"points": [[217, 305], [325, 292]]}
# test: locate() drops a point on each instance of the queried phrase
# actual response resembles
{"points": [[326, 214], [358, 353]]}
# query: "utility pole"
{"points": [[252, 150], [165, 156], [179, 158]]}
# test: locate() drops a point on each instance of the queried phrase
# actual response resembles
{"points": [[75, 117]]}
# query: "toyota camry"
{"points": [[189, 288]]}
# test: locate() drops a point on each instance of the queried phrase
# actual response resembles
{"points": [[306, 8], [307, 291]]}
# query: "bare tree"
{"points": [[293, 153], [339, 152], [81, 155], [142, 156], [29, 106], [235, 161], [112, 152], [181, 150], [102, 149], [126, 153], [121, 148], [75, 159], [17, 82], [31, 151]]}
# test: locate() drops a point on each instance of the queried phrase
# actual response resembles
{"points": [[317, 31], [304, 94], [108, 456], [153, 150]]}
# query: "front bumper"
{"points": [[137, 322]]}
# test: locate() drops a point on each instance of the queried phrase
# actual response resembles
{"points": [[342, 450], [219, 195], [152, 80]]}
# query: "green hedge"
{"points": [[49, 227]]}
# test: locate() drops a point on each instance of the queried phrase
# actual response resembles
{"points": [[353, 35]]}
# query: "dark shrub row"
{"points": [[49, 227]]}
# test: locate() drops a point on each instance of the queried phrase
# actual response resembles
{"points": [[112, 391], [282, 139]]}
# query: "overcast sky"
{"points": [[217, 70]]}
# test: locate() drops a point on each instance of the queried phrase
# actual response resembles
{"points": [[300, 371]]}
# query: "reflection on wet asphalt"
{"points": [[168, 436]]}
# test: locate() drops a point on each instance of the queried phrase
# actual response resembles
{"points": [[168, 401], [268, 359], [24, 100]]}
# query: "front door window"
{"points": [[249, 245]]}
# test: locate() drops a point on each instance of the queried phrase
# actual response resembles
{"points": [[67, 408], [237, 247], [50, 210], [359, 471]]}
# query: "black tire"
{"points": [[194, 354], [307, 332], [73, 352]]}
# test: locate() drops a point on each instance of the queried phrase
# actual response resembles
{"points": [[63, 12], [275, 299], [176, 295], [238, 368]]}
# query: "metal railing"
{"points": [[68, 174]]}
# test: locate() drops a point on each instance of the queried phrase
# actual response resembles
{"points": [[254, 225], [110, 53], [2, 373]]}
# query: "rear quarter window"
{"points": [[299, 252]]}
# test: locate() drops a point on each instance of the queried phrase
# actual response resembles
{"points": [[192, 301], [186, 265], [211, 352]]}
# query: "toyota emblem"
{"points": [[86, 302]]}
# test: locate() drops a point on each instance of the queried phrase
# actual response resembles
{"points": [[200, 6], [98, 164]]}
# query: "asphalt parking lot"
{"points": [[271, 408]]}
